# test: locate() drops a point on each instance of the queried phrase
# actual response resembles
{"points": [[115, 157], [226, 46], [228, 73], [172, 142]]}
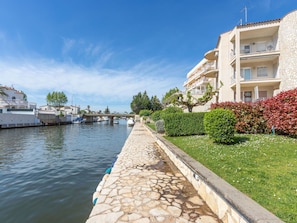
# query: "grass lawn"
{"points": [[264, 167]]}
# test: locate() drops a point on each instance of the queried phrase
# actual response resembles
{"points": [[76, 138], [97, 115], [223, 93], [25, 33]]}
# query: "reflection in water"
{"points": [[54, 138], [48, 174]]}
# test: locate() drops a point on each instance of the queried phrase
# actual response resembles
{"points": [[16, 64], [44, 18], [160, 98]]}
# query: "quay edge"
{"points": [[228, 203]]}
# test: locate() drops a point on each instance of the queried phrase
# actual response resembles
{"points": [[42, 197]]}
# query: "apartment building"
{"points": [[254, 61]]}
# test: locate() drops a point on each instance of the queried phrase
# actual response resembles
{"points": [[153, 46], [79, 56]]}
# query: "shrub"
{"points": [[249, 116], [156, 115], [220, 125], [145, 112], [160, 126], [281, 112], [172, 109], [182, 124]]}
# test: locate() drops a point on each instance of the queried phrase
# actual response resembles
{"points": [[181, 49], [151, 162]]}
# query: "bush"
{"points": [[156, 115], [145, 112], [220, 125], [160, 126], [170, 110], [249, 116], [182, 124], [281, 112]]}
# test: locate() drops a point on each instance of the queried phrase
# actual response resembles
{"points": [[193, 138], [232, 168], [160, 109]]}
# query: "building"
{"points": [[15, 110], [254, 61]]}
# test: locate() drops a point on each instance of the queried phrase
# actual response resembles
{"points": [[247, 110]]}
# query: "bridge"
{"points": [[90, 117]]}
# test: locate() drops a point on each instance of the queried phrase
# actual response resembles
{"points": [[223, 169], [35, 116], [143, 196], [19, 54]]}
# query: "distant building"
{"points": [[15, 110], [254, 61]]}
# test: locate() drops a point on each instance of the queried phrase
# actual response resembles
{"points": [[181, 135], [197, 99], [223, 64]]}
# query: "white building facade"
{"points": [[254, 61]]}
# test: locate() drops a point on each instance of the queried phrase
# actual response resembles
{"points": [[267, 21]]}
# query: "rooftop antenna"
{"points": [[245, 13]]}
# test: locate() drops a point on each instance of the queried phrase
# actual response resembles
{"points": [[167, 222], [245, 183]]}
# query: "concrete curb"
{"points": [[227, 202]]}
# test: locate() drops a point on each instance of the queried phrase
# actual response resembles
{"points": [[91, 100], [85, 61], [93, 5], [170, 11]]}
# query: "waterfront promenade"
{"points": [[144, 186]]}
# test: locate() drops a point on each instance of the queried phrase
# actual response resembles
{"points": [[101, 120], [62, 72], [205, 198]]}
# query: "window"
{"points": [[246, 73], [247, 96], [262, 72], [262, 95], [246, 49], [261, 46]]}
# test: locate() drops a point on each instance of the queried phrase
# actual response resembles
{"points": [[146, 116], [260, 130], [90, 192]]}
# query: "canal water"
{"points": [[49, 174]]}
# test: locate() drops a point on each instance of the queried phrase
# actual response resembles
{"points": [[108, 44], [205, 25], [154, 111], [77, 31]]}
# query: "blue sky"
{"points": [[102, 52]]}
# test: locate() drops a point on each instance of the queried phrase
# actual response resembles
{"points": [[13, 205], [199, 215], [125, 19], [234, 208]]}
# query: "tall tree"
{"points": [[140, 102], [155, 104], [106, 111], [56, 99]]}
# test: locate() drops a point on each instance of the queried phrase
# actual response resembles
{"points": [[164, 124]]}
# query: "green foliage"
{"points": [[172, 109], [182, 124], [155, 104], [57, 99], [141, 101], [156, 115], [160, 126], [170, 97], [107, 111], [220, 125], [145, 112]]}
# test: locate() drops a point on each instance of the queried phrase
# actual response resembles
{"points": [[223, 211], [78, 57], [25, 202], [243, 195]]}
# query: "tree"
{"points": [[176, 97], [171, 97], [56, 99], [106, 111], [155, 104], [140, 102]]}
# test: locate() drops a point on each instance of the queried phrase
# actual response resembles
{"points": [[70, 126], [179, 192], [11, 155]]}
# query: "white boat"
{"points": [[130, 122], [78, 120]]}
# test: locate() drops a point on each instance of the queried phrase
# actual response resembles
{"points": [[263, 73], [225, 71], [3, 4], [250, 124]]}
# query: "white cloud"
{"points": [[90, 85]]}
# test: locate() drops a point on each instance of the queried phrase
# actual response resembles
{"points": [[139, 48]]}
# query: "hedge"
{"points": [[183, 124]]}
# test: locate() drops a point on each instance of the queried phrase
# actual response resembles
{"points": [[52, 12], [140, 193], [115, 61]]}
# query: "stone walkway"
{"points": [[145, 187]]}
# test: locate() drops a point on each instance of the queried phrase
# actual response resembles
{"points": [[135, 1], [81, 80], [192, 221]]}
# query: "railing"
{"points": [[206, 67]]}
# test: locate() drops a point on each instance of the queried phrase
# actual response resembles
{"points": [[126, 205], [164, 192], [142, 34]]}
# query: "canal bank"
{"points": [[144, 186]]}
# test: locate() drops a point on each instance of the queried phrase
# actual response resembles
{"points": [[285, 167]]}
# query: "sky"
{"points": [[101, 53]]}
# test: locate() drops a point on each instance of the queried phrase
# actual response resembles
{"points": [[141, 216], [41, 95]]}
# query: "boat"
{"points": [[78, 120], [130, 122]]}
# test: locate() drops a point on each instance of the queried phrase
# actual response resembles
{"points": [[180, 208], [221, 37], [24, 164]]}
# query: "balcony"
{"points": [[263, 82], [208, 70], [211, 55], [256, 52]]}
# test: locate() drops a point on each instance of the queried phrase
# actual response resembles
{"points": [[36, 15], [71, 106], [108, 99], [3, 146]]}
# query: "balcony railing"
{"points": [[206, 67]]}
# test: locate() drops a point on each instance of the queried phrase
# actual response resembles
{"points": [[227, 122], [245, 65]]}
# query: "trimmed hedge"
{"points": [[220, 125], [156, 115], [183, 124]]}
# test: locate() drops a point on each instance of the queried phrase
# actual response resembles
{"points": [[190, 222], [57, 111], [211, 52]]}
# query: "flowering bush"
{"points": [[281, 112], [249, 116]]}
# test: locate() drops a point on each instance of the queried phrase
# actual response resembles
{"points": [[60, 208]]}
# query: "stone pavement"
{"points": [[144, 186]]}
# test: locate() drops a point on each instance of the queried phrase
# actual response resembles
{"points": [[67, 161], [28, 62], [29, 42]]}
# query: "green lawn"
{"points": [[262, 166]]}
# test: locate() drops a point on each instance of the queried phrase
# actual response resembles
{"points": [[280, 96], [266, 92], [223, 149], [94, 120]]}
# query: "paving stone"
{"points": [[141, 188]]}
